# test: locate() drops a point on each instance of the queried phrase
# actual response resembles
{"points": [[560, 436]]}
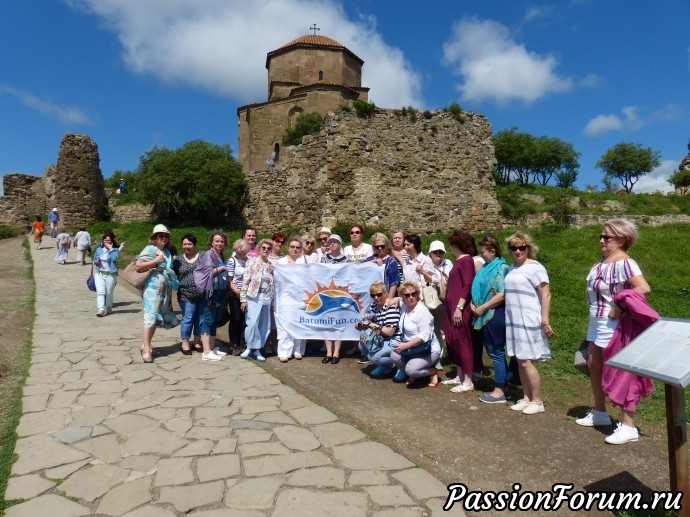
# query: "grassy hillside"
{"points": [[663, 254]]}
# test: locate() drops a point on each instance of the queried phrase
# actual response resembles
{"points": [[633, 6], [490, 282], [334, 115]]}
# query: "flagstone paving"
{"points": [[102, 433]]}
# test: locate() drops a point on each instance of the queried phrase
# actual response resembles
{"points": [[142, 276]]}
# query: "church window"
{"points": [[320, 75]]}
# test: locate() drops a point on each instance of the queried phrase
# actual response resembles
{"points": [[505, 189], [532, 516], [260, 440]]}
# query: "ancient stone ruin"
{"points": [[422, 174], [74, 185]]}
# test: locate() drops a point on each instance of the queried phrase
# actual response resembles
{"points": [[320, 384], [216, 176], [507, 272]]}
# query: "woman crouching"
{"points": [[418, 350]]}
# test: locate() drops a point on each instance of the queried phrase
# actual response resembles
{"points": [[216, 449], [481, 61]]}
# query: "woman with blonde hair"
{"points": [[615, 272], [287, 346], [256, 297], [528, 307]]}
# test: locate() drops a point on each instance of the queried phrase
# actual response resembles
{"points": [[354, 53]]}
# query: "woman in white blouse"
{"points": [[358, 251]]}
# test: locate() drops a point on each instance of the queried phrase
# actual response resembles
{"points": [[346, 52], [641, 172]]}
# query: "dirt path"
{"points": [[485, 446]]}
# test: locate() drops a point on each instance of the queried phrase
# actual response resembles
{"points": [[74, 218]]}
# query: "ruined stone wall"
{"points": [[74, 185], [424, 176], [24, 199], [77, 182]]}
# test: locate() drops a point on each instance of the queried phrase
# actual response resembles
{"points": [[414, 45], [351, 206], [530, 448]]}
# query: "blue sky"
{"points": [[134, 74]]}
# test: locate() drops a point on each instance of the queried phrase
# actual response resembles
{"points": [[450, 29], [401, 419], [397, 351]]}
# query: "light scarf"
{"points": [[487, 282]]}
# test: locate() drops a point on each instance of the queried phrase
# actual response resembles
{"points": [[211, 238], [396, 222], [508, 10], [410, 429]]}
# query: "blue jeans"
{"points": [[212, 311], [258, 320], [192, 313], [503, 373], [105, 287], [383, 356]]}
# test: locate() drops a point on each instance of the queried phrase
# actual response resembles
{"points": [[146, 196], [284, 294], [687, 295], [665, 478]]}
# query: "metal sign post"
{"points": [[662, 352]]}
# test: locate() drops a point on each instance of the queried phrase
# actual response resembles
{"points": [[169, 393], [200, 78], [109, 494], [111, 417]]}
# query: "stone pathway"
{"points": [[102, 433]]}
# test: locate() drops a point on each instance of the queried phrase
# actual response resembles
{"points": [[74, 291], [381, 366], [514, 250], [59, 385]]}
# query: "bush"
{"points": [[455, 110], [6, 232], [364, 109], [427, 114], [306, 124]]}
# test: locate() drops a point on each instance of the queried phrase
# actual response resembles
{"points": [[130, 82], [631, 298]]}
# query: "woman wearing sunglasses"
{"points": [[309, 249], [357, 251], [528, 306], [615, 272], [392, 270], [255, 300], [381, 325]]}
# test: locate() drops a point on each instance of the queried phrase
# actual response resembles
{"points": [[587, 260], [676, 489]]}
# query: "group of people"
{"points": [[477, 303]]}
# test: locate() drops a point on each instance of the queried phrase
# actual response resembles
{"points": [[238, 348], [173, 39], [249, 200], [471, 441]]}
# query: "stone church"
{"points": [[420, 173], [310, 74]]}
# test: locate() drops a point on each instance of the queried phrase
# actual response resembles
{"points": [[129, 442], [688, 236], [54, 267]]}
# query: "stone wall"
{"points": [[74, 185], [424, 176], [135, 212]]}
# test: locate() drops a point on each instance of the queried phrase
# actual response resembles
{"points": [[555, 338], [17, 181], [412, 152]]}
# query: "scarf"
{"points": [[487, 282]]}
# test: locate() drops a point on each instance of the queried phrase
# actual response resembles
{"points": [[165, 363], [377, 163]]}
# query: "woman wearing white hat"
{"points": [[157, 295], [437, 253], [335, 255]]}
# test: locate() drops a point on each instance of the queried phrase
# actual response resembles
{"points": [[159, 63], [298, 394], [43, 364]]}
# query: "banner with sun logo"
{"points": [[323, 301]]}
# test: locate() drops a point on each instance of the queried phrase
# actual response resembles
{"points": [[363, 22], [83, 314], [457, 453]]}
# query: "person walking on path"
{"points": [[54, 219], [82, 241], [105, 262], [38, 228], [63, 242]]}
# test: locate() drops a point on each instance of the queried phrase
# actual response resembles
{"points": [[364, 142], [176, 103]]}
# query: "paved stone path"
{"points": [[102, 433]]}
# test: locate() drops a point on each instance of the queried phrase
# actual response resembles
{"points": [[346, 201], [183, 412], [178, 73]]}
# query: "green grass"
{"points": [[8, 426]]}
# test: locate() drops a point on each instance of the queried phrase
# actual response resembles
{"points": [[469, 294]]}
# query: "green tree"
{"points": [[306, 124], [628, 162], [680, 180], [551, 155], [199, 183], [512, 156]]}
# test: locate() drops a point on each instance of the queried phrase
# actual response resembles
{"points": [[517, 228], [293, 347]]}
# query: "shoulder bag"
{"points": [[421, 350], [91, 281], [431, 298], [133, 277]]}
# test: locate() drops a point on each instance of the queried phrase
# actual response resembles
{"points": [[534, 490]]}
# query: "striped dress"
{"points": [[525, 338], [605, 280]]}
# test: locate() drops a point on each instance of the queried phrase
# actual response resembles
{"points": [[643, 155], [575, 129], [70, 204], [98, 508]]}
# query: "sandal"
{"points": [[146, 357], [462, 388], [456, 381], [433, 378]]}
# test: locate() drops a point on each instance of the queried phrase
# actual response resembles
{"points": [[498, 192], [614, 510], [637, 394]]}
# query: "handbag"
{"points": [[442, 286], [133, 277], [372, 341], [431, 299], [421, 350], [580, 359], [91, 281]]}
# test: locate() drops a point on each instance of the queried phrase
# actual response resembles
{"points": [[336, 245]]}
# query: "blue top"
{"points": [[112, 257]]}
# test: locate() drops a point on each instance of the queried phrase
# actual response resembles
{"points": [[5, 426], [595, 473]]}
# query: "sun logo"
{"points": [[331, 298]]}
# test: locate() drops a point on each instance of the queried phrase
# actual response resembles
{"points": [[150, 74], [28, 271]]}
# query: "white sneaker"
{"points": [[623, 434], [594, 418], [520, 405], [211, 356], [533, 408], [297, 356], [245, 354], [219, 352]]}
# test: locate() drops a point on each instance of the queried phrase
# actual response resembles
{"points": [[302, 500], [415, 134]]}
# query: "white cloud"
{"points": [[535, 12], [495, 67], [221, 45], [656, 180], [66, 114], [629, 121]]}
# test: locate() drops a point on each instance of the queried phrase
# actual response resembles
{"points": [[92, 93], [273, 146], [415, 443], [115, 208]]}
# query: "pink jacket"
{"points": [[626, 389]]}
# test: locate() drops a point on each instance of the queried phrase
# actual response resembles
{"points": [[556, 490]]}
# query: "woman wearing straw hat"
{"points": [[157, 296]]}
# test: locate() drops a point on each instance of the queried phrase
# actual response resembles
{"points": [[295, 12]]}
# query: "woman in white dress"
{"points": [[358, 251], [528, 305]]}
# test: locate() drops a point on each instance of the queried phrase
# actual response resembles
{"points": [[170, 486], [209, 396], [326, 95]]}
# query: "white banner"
{"points": [[323, 301]]}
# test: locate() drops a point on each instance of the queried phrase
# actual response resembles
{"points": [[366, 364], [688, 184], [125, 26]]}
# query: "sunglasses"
{"points": [[323, 239], [376, 295], [355, 232], [606, 238], [279, 243], [380, 247], [265, 248], [517, 248], [295, 247], [409, 295], [309, 243]]}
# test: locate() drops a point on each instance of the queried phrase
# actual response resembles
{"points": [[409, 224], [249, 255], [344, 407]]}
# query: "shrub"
{"points": [[364, 109], [455, 110], [427, 114], [306, 124], [6, 232]]}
